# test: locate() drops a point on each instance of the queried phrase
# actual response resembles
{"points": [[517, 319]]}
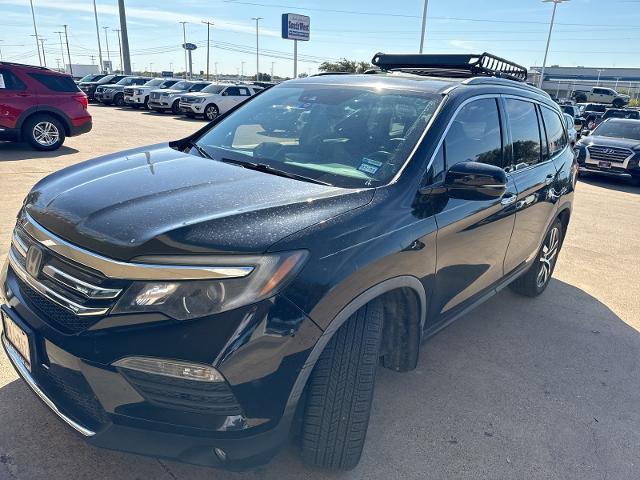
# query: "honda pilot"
{"points": [[209, 298]]}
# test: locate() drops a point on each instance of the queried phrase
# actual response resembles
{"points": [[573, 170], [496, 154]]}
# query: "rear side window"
{"points": [[556, 138], [475, 135], [8, 81], [525, 135], [57, 83], [232, 91]]}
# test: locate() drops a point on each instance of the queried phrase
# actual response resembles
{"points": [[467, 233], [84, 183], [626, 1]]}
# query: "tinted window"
{"points": [[525, 135], [197, 87], [57, 83], [556, 138], [475, 135], [619, 129], [232, 91], [8, 81]]}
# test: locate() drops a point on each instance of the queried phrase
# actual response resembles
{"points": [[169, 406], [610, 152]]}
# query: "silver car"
{"points": [[169, 99]]}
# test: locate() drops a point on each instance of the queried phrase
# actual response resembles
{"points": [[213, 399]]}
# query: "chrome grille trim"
{"points": [[125, 270], [49, 293], [609, 154], [18, 244], [84, 288]]}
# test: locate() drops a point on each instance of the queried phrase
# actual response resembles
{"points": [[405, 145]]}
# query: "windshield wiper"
{"points": [[263, 167], [200, 150]]}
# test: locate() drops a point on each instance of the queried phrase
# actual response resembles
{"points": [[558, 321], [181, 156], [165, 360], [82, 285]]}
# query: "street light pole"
{"points": [[424, 23], [257, 19], [546, 52], [272, 64], [184, 46], [106, 39], [66, 37], [44, 57], [95, 14], [61, 49], [35, 31], [117, 30], [208, 24], [242, 70], [600, 70]]}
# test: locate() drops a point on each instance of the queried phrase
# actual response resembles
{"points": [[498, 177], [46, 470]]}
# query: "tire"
{"points": [[118, 100], [211, 112], [43, 132], [617, 103], [340, 390], [175, 108], [136, 106], [581, 98], [146, 103], [535, 281]]}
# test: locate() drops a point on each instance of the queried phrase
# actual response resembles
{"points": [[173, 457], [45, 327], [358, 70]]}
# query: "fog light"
{"points": [[171, 368]]}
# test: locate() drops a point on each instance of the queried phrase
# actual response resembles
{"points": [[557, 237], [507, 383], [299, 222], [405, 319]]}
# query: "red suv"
{"points": [[40, 106]]}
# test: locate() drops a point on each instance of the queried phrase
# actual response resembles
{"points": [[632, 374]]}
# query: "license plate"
{"points": [[18, 339], [604, 164]]}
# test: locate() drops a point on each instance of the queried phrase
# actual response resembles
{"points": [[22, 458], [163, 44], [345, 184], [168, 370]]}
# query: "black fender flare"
{"points": [[405, 281], [45, 109]]}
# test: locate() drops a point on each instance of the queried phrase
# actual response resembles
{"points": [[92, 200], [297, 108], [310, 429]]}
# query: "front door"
{"points": [[473, 235]]}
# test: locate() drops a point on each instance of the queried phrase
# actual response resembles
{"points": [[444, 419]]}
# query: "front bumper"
{"points": [[104, 97], [195, 108], [160, 104], [134, 99], [260, 350]]}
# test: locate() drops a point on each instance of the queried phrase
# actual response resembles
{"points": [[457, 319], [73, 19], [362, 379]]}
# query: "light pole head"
{"points": [[555, 1]]}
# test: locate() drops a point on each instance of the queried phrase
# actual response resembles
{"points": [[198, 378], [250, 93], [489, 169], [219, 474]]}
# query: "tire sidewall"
{"points": [[28, 132], [556, 223], [207, 108], [118, 100]]}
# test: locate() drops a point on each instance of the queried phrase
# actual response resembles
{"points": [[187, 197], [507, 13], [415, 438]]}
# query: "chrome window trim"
{"points": [[126, 270], [29, 380], [52, 295]]}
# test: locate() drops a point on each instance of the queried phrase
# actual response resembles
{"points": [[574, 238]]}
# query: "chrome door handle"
{"points": [[510, 200]]}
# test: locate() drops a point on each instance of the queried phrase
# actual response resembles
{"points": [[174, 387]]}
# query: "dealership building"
{"points": [[561, 81]]}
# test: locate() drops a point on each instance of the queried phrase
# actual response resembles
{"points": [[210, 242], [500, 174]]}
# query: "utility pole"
{"points": [[66, 37], [424, 23], [242, 70], [117, 30], [61, 49], [272, 64], [35, 31], [215, 67], [106, 39], [44, 57], [184, 46], [546, 52], [600, 70], [257, 19], [125, 38], [95, 14], [208, 24]]}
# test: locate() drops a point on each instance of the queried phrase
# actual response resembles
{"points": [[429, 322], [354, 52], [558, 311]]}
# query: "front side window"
{"points": [[556, 138], [525, 134], [232, 92], [181, 86], [350, 137], [197, 87], [475, 135]]}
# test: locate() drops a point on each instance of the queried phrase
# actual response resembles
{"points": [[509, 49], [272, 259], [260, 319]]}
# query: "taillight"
{"points": [[82, 98]]}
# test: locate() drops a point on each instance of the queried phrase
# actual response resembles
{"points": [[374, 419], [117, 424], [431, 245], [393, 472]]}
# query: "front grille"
{"points": [[215, 398], [609, 154], [65, 295], [70, 389], [128, 91], [154, 96]]}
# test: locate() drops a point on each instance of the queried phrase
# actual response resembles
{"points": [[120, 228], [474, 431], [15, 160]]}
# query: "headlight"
{"points": [[200, 100], [184, 300], [139, 91]]}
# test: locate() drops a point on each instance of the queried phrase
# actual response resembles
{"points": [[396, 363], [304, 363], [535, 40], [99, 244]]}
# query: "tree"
{"points": [[303, 75], [344, 65]]}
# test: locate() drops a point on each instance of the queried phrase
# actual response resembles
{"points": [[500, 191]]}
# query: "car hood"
{"points": [[156, 200], [169, 91], [198, 94], [610, 142]]}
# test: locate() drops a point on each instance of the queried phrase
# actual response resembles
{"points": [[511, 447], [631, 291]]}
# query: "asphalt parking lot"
{"points": [[539, 389]]}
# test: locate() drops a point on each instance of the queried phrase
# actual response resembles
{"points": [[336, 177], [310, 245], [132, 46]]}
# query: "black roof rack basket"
{"points": [[452, 65]]}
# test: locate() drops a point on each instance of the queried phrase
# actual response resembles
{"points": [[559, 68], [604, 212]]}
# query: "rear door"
{"points": [[15, 98], [534, 174], [473, 235]]}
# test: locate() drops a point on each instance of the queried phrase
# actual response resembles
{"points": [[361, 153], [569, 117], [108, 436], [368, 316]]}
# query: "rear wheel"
{"points": [[211, 112], [43, 132], [340, 390], [118, 100], [535, 281], [617, 103]]}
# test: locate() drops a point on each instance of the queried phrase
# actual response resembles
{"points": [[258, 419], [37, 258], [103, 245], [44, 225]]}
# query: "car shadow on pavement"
{"points": [[11, 151], [519, 388], [611, 183]]}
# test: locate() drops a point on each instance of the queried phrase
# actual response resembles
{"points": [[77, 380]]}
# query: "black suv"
{"points": [[89, 88], [207, 298]]}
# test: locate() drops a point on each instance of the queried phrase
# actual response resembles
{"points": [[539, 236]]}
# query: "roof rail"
{"points": [[452, 65]]}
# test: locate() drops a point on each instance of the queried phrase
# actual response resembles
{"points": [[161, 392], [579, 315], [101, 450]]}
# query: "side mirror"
{"points": [[475, 181], [578, 123], [585, 133]]}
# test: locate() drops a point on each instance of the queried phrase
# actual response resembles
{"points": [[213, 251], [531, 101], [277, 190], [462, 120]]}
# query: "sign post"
{"points": [[295, 27], [190, 47]]}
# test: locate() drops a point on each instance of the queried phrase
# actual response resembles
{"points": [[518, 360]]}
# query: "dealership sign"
{"points": [[295, 27], [189, 46]]}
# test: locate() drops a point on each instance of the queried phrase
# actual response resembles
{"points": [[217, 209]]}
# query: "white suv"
{"points": [[216, 99], [165, 99], [139, 96]]}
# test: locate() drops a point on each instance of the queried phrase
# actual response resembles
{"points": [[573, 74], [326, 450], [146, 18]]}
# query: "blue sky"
{"points": [[588, 32]]}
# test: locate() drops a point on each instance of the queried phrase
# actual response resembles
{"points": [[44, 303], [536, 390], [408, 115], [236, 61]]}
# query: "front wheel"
{"points": [[175, 108], [43, 132], [211, 112], [118, 100], [340, 390], [535, 281]]}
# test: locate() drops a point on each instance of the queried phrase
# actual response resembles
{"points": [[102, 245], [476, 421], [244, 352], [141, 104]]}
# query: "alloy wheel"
{"points": [[548, 256], [46, 133], [211, 112]]}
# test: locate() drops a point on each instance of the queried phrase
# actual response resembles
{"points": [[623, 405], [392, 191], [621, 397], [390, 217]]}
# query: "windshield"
{"points": [[619, 129], [126, 81], [213, 88], [106, 79], [92, 77], [154, 83], [349, 137], [181, 86]]}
